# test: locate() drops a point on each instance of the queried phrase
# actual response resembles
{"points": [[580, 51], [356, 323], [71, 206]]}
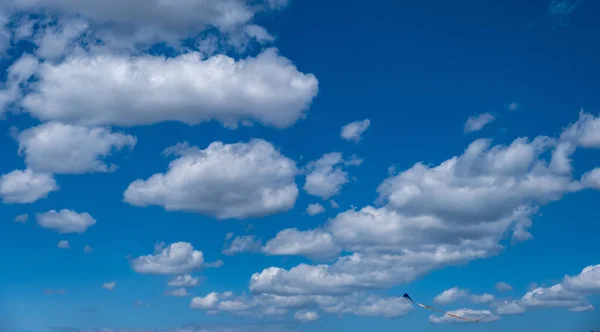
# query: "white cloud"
{"points": [[588, 281], [306, 316], [334, 204], [450, 295], [63, 244], [484, 316], [477, 122], [314, 209], [513, 106], [431, 217], [582, 308], [207, 302], [109, 285], [503, 287], [111, 89], [246, 243], [313, 244], [240, 180], [65, 221], [54, 147], [55, 41], [179, 292], [22, 218], [87, 249], [26, 186], [326, 177], [510, 308], [184, 281], [483, 298], [179, 257], [354, 130]]}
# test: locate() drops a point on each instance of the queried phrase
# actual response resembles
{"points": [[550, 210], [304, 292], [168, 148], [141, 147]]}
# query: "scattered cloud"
{"points": [[179, 292], [306, 316], [503, 287], [87, 249], [513, 106], [561, 10], [65, 221], [315, 244], [353, 131], [326, 177], [109, 285], [314, 209], [477, 122], [63, 244], [245, 243], [26, 186], [240, 180], [484, 316], [59, 148], [184, 281], [177, 258], [450, 295]]}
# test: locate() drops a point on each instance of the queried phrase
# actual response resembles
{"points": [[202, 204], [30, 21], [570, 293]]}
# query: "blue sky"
{"points": [[282, 165]]}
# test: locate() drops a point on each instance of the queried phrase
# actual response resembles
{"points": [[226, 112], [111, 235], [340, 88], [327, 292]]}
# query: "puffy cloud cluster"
{"points": [[434, 216], [65, 221], [326, 177], [240, 180], [354, 130], [176, 258], [570, 293], [26, 186], [453, 294]]}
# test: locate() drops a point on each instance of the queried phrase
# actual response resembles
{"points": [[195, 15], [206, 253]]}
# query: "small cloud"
{"points": [[180, 292], [109, 285], [334, 204], [63, 244], [306, 316], [314, 209], [582, 308], [503, 287], [22, 218], [87, 249], [140, 303], [477, 122], [216, 264], [354, 130], [90, 310], [561, 10], [512, 106]]}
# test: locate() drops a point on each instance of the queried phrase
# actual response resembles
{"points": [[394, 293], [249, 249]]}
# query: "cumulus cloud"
{"points": [[26, 186], [503, 287], [184, 281], [178, 257], [246, 243], [477, 122], [109, 285], [65, 221], [450, 295], [484, 316], [240, 180], [179, 292], [430, 217], [54, 147], [207, 302], [63, 244], [326, 177], [315, 244], [110, 89], [353, 131], [314, 209], [306, 316], [482, 298]]}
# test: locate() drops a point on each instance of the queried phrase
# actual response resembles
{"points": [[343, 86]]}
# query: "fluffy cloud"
{"points": [[503, 287], [314, 209], [483, 298], [325, 176], [63, 244], [450, 295], [354, 130], [246, 243], [109, 285], [179, 292], [434, 216], [306, 316], [145, 22], [238, 180], [26, 186], [65, 221], [484, 316], [179, 257], [184, 281], [207, 302], [120, 90], [314, 244], [587, 281], [477, 122], [54, 147]]}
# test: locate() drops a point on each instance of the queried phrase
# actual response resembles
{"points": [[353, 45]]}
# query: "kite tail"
{"points": [[406, 296]]}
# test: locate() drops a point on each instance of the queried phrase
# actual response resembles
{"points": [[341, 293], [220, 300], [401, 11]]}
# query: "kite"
{"points": [[406, 296]]}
